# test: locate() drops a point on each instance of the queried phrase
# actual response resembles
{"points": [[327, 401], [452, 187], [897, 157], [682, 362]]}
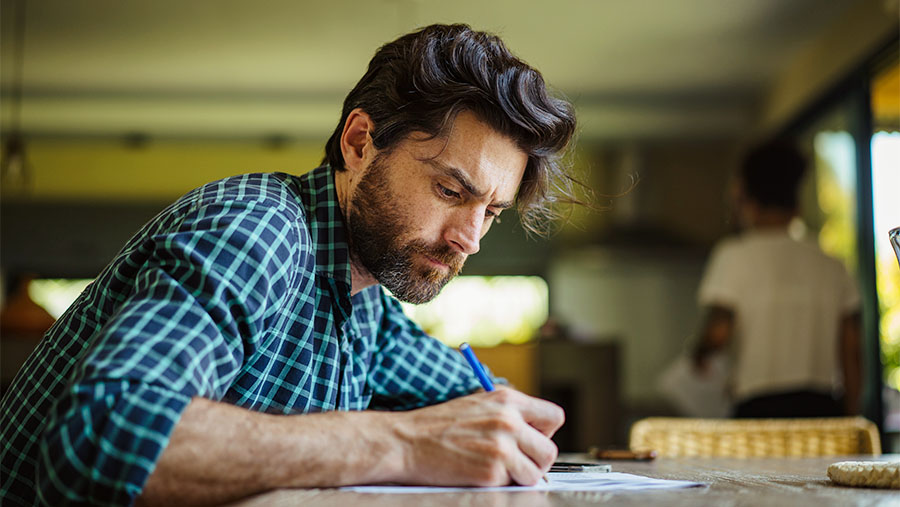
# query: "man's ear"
{"points": [[356, 143]]}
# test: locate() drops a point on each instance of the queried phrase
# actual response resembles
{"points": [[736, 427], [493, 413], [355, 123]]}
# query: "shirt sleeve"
{"points": [[411, 369], [201, 300], [720, 284]]}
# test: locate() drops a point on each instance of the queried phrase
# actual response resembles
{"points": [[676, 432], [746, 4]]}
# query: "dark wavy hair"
{"points": [[423, 80]]}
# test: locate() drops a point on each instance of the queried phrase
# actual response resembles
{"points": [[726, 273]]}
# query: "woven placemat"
{"points": [[866, 474]]}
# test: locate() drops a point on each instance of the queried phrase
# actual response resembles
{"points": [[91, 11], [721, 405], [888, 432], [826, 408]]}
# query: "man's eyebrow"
{"points": [[464, 182]]}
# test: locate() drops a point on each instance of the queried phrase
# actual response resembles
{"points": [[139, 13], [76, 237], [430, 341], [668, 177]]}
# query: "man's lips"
{"points": [[437, 263]]}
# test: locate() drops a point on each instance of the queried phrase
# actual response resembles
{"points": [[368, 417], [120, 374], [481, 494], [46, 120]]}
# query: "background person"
{"points": [[790, 312]]}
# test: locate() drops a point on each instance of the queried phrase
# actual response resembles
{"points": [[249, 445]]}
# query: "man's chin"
{"points": [[419, 293], [418, 280]]}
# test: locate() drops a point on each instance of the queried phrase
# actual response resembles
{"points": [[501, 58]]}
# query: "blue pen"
{"points": [[469, 354]]}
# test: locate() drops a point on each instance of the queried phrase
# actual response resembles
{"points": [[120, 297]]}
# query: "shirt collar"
{"points": [[326, 226]]}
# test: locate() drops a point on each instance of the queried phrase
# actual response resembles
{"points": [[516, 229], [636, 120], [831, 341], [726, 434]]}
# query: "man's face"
{"points": [[419, 212]]}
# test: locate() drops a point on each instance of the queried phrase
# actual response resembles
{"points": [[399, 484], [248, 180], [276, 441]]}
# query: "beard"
{"points": [[376, 230]]}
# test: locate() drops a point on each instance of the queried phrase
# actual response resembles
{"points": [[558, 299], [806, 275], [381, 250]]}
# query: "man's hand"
{"points": [[220, 453], [485, 439]]}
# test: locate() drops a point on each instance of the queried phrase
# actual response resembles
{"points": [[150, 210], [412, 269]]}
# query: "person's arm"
{"points": [[204, 288], [716, 332], [850, 362], [219, 453], [718, 294]]}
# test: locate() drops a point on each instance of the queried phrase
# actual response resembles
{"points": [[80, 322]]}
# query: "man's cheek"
{"points": [[486, 228]]}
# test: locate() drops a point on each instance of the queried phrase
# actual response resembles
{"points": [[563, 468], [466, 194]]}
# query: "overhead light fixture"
{"points": [[15, 169]]}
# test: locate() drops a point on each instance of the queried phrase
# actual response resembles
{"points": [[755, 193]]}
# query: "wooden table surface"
{"points": [[731, 482]]}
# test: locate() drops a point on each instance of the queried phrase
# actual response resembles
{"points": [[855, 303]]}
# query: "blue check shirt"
{"points": [[238, 292]]}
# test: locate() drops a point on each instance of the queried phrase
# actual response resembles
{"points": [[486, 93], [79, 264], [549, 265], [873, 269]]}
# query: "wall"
{"points": [[113, 170], [674, 190], [644, 299]]}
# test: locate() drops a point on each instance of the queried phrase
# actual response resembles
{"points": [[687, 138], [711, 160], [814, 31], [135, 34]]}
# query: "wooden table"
{"points": [[731, 482]]}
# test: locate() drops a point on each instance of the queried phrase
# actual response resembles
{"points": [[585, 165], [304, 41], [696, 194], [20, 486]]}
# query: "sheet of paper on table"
{"points": [[612, 481]]}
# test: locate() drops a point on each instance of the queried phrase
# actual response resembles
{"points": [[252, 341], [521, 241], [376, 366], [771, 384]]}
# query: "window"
{"points": [[485, 310], [885, 93], [835, 177], [56, 295]]}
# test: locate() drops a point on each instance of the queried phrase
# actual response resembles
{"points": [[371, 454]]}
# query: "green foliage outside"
{"points": [[888, 274], [837, 237]]}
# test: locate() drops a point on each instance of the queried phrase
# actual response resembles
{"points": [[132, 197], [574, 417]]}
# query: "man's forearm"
{"points": [[219, 452]]}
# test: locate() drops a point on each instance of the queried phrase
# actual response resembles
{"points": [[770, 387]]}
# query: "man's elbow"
{"points": [[72, 469], [59, 478]]}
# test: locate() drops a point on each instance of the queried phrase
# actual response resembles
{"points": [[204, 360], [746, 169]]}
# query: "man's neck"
{"points": [[772, 218], [360, 278]]}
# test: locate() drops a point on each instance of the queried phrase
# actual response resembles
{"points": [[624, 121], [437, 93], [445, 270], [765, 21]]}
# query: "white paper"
{"points": [[612, 481]]}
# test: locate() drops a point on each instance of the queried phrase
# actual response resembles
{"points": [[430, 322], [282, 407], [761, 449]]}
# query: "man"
{"points": [[236, 342], [791, 311]]}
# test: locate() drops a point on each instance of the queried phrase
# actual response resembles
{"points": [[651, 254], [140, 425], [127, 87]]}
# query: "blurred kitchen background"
{"points": [[112, 109]]}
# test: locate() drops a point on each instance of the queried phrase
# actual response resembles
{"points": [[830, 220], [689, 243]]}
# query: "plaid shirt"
{"points": [[239, 292]]}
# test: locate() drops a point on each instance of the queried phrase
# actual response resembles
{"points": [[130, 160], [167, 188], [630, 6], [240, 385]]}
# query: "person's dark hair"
{"points": [[771, 174], [423, 80]]}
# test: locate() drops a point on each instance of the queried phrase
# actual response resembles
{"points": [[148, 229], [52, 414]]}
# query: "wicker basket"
{"points": [[744, 438]]}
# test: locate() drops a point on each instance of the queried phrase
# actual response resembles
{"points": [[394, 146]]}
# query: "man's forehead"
{"points": [[475, 150]]}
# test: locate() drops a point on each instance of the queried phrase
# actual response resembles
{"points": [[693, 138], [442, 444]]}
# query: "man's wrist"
{"points": [[386, 446]]}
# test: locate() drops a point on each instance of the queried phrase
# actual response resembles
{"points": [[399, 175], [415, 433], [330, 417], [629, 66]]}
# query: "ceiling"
{"points": [[237, 68]]}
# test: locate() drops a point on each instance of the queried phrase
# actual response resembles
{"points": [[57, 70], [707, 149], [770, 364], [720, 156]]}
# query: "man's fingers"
{"points": [[532, 458], [523, 471], [547, 417], [537, 447], [533, 452]]}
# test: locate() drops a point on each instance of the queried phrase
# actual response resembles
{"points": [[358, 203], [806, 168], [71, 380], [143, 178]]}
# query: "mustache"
{"points": [[441, 253]]}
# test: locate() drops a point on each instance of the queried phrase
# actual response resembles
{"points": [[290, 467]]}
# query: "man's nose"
{"points": [[464, 233]]}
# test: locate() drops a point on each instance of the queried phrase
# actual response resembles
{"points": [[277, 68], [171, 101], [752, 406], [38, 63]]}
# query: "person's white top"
{"points": [[788, 298]]}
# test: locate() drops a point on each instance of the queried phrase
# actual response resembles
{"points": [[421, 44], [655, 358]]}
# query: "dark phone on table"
{"points": [[568, 466]]}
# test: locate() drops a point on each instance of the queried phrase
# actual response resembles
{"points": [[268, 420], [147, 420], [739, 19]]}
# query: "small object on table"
{"points": [[867, 474], [621, 454], [568, 466]]}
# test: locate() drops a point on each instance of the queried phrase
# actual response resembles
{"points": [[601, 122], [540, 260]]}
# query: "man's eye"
{"points": [[446, 192]]}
